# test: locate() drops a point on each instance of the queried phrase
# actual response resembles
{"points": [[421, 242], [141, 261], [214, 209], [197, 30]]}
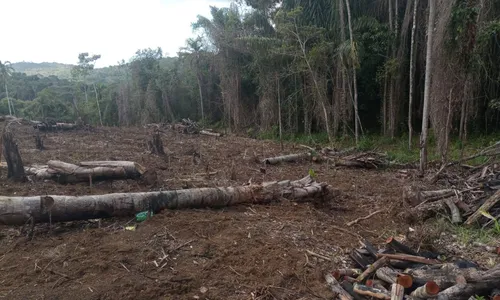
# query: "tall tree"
{"points": [[412, 73], [5, 72], [80, 72], [428, 74]]}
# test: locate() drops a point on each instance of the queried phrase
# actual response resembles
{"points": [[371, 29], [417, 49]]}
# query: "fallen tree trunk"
{"points": [[18, 210], [86, 171], [413, 196], [210, 133], [485, 207], [286, 158], [57, 126]]}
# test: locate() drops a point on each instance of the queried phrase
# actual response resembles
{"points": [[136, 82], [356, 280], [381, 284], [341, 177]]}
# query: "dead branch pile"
{"points": [[19, 210], [186, 126], [398, 272], [475, 198], [89, 171]]}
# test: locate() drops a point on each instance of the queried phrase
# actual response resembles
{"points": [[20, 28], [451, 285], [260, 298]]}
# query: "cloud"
{"points": [[57, 30]]}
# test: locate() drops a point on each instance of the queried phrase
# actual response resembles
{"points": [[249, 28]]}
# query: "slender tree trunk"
{"points": [[428, 72], [8, 99], [279, 112], [201, 96], [344, 102], [98, 106], [384, 105], [412, 73], [354, 81]]}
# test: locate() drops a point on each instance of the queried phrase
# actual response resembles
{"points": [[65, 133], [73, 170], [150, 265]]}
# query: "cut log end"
{"points": [[405, 280]]}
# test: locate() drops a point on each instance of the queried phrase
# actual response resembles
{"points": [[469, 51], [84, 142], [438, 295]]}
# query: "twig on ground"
{"points": [[318, 255], [364, 218]]}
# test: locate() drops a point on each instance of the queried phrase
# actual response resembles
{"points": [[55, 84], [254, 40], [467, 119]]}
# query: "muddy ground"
{"points": [[245, 252]]}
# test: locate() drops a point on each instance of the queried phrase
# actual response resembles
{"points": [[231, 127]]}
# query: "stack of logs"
{"points": [[475, 198], [398, 272], [188, 126]]}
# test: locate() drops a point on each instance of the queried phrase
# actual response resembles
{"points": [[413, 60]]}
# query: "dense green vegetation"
{"points": [[297, 69]]}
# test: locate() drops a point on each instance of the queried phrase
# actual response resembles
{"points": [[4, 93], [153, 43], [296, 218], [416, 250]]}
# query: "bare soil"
{"points": [[245, 252]]}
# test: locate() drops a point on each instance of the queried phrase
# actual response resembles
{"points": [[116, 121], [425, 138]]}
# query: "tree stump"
{"points": [[15, 167], [156, 145], [39, 141]]}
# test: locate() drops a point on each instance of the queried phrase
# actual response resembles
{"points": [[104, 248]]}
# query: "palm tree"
{"points": [[5, 72]]}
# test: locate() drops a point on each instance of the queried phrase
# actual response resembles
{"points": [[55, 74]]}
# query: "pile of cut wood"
{"points": [[186, 126], [475, 198], [398, 272]]}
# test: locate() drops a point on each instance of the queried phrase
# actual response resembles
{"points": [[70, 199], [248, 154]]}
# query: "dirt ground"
{"points": [[245, 252]]}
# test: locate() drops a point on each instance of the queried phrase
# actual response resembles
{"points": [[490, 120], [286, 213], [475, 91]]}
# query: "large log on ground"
{"points": [[446, 276], [15, 168], [18, 210], [90, 170], [57, 126], [492, 201], [286, 158]]}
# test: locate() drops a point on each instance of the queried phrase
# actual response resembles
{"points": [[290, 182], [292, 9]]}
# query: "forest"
{"points": [[343, 69]]}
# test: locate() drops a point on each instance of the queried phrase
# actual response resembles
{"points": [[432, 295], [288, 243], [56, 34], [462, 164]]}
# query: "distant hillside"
{"points": [[62, 71]]}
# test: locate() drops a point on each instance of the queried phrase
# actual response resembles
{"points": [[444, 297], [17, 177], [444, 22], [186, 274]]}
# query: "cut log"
{"points": [[371, 292], [403, 265], [347, 272], [412, 258], [336, 288], [155, 145], [369, 248], [456, 217], [414, 196], [210, 133], [392, 243], [452, 292], [390, 276], [57, 126], [495, 294], [372, 268], [492, 201], [15, 167], [397, 292], [286, 158], [348, 287], [429, 290], [97, 170], [446, 275], [18, 210]]}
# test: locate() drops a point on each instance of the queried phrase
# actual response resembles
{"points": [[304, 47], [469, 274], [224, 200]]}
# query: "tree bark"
{"points": [[427, 87], [93, 170], [18, 210], [8, 98], [412, 73]]}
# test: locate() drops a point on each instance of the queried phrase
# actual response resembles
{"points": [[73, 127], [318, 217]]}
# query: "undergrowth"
{"points": [[396, 149]]}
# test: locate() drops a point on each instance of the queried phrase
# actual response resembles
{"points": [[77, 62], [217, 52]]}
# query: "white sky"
{"points": [[58, 30]]}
